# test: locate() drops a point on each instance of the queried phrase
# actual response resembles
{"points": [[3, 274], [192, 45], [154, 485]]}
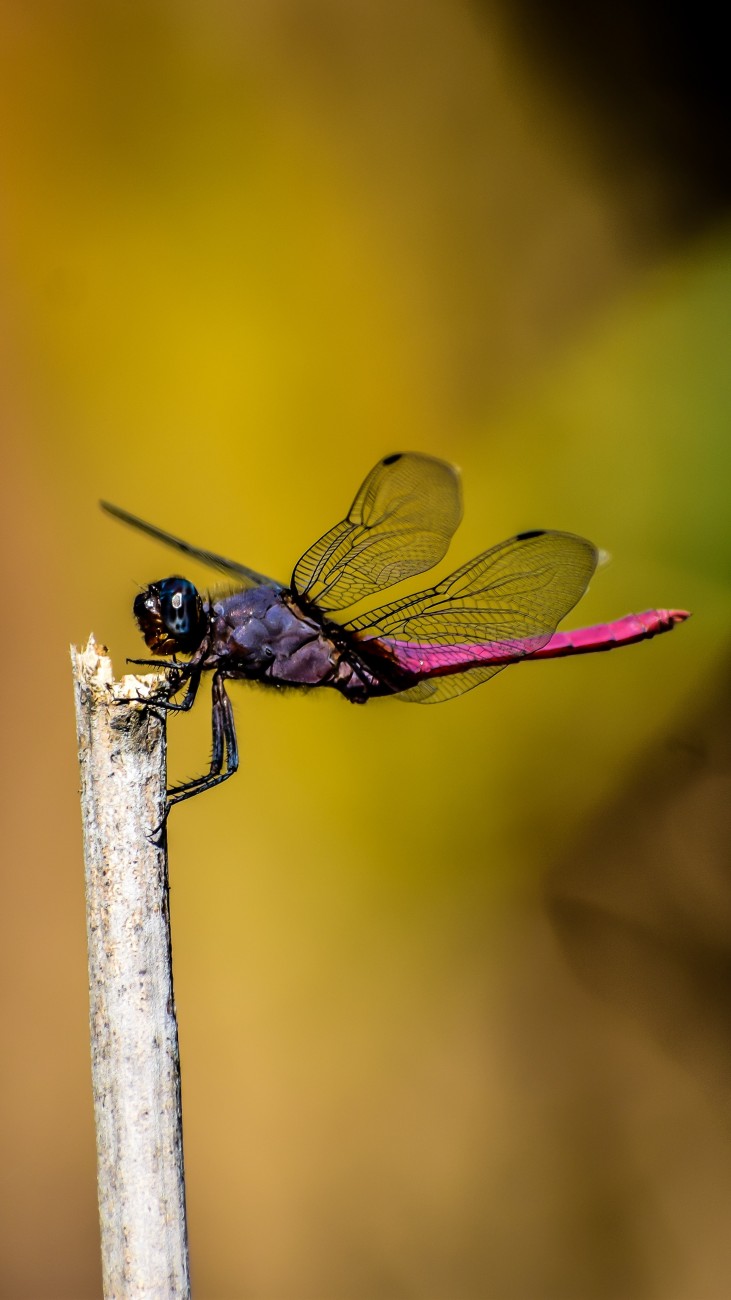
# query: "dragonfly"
{"points": [[502, 608]]}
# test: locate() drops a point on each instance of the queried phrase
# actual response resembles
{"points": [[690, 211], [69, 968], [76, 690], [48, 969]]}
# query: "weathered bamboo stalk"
{"points": [[134, 1033]]}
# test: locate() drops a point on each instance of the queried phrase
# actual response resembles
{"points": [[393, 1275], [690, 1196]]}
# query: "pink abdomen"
{"points": [[435, 660]]}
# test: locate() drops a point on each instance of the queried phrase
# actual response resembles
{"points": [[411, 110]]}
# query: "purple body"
{"points": [[262, 635]]}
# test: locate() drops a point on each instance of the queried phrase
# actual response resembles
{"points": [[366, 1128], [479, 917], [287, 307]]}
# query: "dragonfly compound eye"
{"points": [[170, 616], [181, 609]]}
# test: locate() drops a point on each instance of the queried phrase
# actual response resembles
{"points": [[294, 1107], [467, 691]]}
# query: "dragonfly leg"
{"points": [[224, 744], [160, 663], [176, 673], [169, 706], [188, 699]]}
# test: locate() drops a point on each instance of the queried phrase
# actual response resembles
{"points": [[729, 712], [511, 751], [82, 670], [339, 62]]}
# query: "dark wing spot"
{"points": [[391, 460], [534, 532]]}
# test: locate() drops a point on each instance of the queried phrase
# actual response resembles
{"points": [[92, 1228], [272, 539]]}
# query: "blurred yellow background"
{"points": [[452, 983]]}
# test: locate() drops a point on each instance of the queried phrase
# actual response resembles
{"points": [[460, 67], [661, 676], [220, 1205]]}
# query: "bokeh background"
{"points": [[454, 984]]}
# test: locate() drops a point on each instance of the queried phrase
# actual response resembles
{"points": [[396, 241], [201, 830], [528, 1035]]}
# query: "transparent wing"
{"points": [[400, 524], [246, 577], [506, 603], [438, 689]]}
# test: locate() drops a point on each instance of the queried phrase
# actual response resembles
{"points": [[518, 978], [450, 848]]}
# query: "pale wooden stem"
{"points": [[134, 1034]]}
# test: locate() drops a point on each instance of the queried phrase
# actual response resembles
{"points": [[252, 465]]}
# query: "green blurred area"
{"points": [[246, 251]]}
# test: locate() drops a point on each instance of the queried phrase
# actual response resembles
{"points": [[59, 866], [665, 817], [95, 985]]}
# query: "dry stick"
{"points": [[134, 1034]]}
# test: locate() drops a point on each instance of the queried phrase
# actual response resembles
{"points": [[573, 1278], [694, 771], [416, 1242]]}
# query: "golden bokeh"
{"points": [[435, 1001]]}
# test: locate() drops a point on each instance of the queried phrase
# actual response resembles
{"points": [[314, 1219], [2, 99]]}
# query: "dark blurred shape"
{"points": [[642, 902], [652, 83]]}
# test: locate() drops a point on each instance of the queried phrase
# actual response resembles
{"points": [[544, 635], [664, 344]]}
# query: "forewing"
{"points": [[512, 597], [246, 577], [400, 524]]}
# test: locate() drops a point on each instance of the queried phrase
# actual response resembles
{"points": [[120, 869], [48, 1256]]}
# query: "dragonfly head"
{"points": [[170, 616]]}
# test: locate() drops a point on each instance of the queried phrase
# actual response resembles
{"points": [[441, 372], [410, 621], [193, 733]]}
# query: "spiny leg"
{"points": [[188, 699], [187, 789], [168, 706], [216, 755], [224, 741], [160, 663]]}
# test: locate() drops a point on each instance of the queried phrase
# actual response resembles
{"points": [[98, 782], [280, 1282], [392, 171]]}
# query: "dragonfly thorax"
{"points": [[260, 633]]}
